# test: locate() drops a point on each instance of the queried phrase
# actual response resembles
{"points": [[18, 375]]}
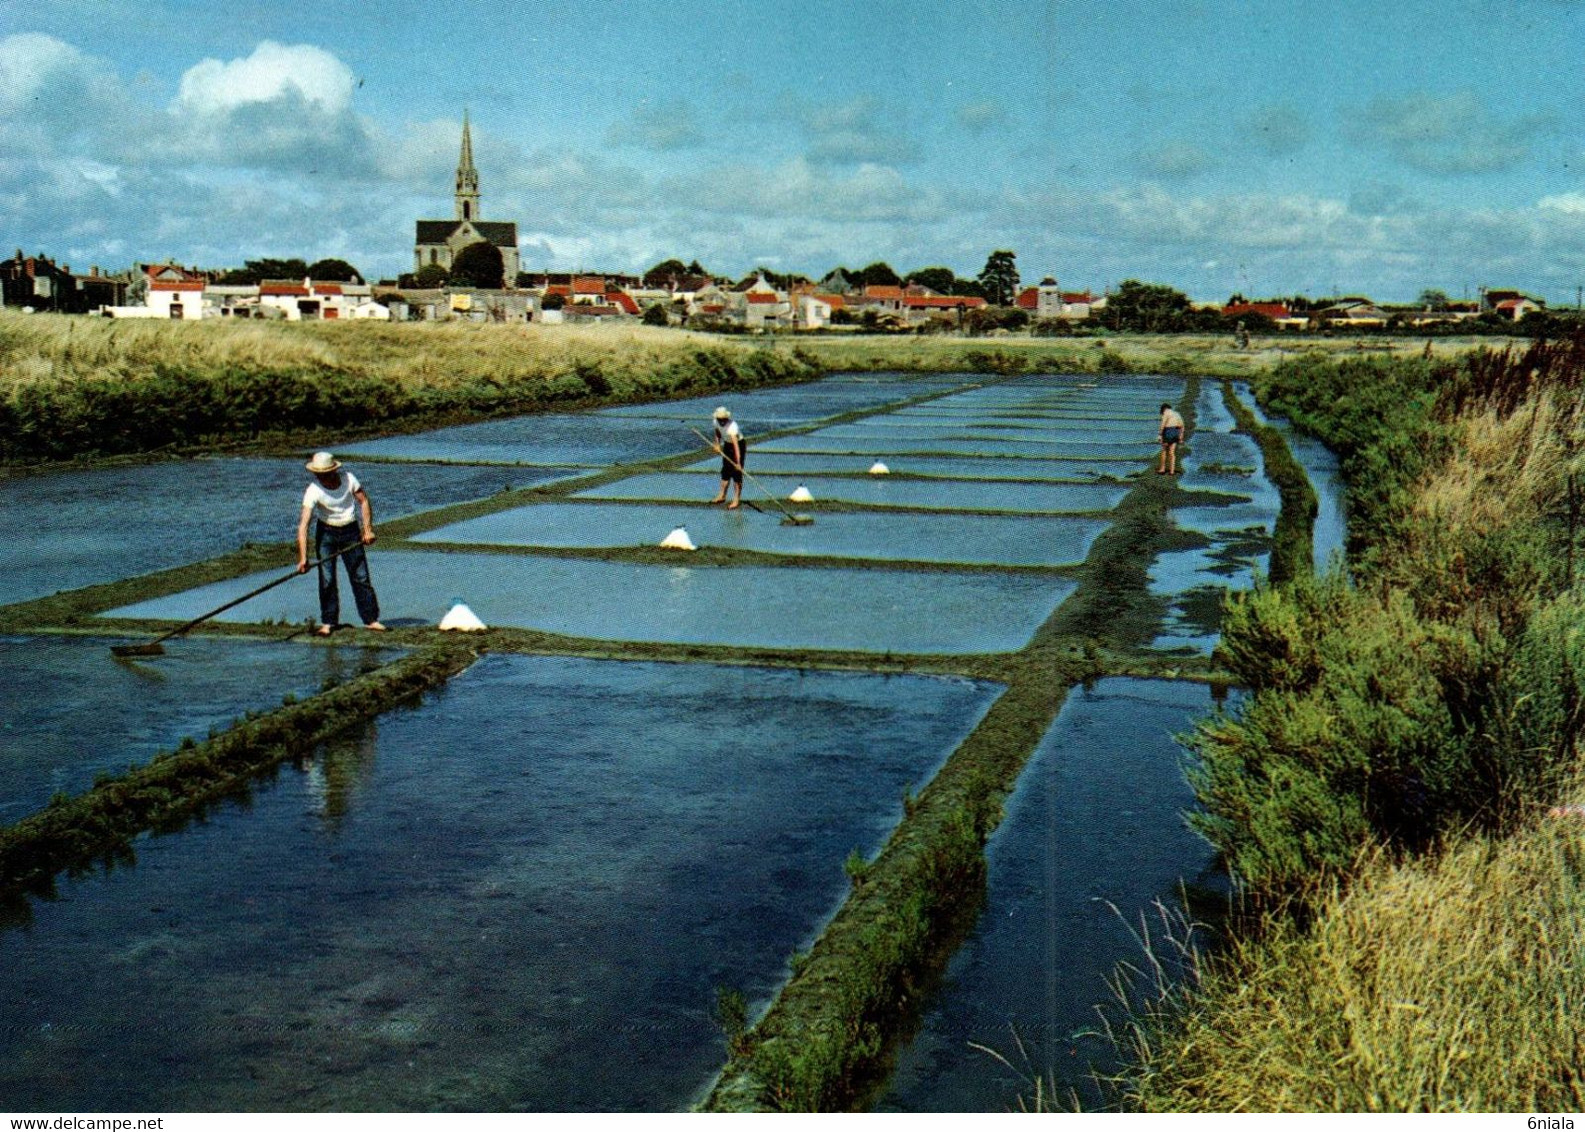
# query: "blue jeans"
{"points": [[328, 540]]}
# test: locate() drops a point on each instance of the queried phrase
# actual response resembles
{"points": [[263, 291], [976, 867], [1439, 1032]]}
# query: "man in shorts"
{"points": [[729, 442], [1171, 436]]}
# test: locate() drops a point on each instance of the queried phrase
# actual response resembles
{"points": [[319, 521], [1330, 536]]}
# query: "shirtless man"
{"points": [[1171, 437]]}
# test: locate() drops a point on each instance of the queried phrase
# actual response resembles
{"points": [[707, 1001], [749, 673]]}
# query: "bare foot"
{"points": [[375, 626], [732, 506], [719, 499], [322, 631]]}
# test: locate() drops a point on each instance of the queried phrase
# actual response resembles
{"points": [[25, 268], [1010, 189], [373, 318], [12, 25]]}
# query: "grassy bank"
{"points": [[77, 387], [1384, 796], [1197, 354], [1293, 540]]}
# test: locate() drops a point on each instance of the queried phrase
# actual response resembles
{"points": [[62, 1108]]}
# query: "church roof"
{"points": [[501, 233]]}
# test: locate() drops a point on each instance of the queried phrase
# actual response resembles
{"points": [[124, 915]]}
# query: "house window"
{"points": [[431, 255], [176, 306]]}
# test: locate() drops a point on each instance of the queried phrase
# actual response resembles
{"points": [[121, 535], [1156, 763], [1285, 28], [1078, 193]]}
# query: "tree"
{"points": [[664, 272], [1000, 278], [938, 279], [334, 271], [1433, 300], [1151, 308], [430, 275], [478, 265], [258, 270], [879, 274], [655, 315]]}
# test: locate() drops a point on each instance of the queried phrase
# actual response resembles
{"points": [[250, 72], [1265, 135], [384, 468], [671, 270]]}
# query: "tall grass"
{"points": [[74, 387], [1414, 925], [1451, 982]]}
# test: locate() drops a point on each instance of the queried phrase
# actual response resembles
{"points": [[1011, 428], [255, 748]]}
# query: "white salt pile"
{"points": [[879, 469], [461, 619], [801, 495], [678, 540]]}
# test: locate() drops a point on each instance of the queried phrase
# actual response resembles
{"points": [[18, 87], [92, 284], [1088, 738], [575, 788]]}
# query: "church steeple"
{"points": [[467, 178]]}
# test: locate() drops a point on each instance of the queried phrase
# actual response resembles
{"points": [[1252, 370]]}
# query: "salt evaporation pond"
{"points": [[761, 463], [789, 405], [69, 710], [1239, 534], [631, 433], [1011, 540], [1095, 824], [886, 446], [888, 491], [62, 530], [521, 894], [1321, 468], [769, 607]]}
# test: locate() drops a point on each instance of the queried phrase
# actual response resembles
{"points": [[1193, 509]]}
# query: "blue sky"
{"points": [[1365, 148]]}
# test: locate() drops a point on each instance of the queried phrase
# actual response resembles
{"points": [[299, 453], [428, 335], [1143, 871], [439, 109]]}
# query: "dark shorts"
{"points": [[731, 471], [1171, 435]]}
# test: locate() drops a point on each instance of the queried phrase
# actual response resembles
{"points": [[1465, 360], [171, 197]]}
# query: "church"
{"points": [[437, 241]]}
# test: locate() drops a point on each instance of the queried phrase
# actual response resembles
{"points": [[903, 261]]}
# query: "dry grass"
{"points": [[59, 348], [1205, 354], [1450, 983]]}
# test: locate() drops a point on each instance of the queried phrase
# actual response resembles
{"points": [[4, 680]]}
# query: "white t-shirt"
{"points": [[335, 507], [726, 433]]}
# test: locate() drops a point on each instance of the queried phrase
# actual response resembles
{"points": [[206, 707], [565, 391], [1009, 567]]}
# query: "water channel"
{"points": [[523, 892]]}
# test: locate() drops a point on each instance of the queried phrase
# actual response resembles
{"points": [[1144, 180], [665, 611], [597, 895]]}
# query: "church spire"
{"points": [[467, 178]]}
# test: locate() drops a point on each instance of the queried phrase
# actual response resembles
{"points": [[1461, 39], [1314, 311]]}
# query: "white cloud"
{"points": [[274, 71]]}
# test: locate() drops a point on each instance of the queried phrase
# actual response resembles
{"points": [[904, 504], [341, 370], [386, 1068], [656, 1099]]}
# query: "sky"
{"points": [[1376, 148]]}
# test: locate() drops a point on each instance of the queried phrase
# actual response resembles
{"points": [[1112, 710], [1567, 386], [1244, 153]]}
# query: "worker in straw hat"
{"points": [[343, 522], [730, 444]]}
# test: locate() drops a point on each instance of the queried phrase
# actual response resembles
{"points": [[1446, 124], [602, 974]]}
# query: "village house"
{"points": [[163, 290], [1512, 305], [1047, 300], [37, 283]]}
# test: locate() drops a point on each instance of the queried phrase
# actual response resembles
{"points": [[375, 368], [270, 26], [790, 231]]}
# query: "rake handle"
{"points": [[250, 594], [768, 493]]}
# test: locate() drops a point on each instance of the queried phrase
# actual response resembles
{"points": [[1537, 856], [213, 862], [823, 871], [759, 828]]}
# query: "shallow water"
{"points": [[869, 610], [62, 530], [885, 490], [967, 467], [521, 894], [1320, 465], [887, 446], [1092, 838], [69, 710], [975, 539], [792, 405]]}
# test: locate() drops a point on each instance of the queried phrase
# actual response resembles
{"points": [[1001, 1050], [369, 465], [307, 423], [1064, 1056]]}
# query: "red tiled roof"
{"points": [[762, 297], [282, 289], [558, 289], [835, 302], [1077, 297], [185, 285], [328, 288], [882, 291], [1270, 310], [623, 300], [1028, 299], [588, 285], [713, 308], [945, 302]]}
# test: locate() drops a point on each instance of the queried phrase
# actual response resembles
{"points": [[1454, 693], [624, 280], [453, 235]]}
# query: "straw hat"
{"points": [[322, 462], [722, 413]]}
